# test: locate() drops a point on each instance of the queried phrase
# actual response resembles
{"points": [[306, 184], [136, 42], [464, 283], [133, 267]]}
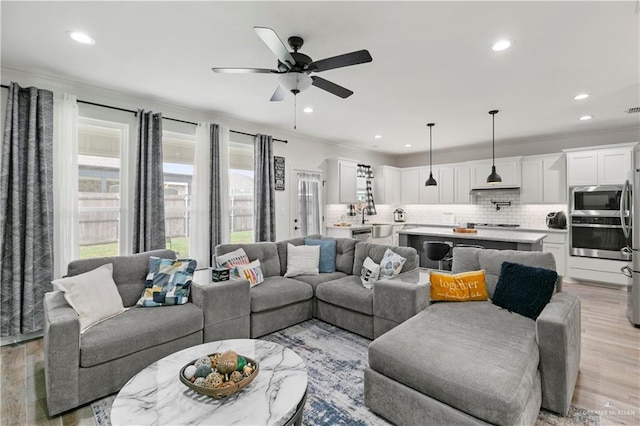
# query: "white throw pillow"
{"points": [[93, 295], [369, 273], [391, 264], [302, 260], [251, 273]]}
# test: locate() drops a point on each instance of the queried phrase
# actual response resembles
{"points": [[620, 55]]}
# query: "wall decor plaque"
{"points": [[279, 175]]}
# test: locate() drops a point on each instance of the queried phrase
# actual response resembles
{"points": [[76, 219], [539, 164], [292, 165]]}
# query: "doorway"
{"points": [[306, 203]]}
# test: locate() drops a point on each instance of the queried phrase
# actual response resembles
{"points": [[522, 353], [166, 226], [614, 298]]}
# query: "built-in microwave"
{"points": [[596, 200]]}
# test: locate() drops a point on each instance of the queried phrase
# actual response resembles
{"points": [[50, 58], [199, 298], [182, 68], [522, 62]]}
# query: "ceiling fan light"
{"points": [[295, 81], [431, 181]]}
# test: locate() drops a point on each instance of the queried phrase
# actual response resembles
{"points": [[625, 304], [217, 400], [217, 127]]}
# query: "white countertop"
{"points": [[518, 229], [488, 234]]}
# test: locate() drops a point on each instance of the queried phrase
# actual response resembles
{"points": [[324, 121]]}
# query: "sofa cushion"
{"points": [[267, 252], [469, 259], [376, 253], [302, 260], [347, 292], [129, 272], [276, 292], [282, 249], [327, 253], [168, 282], [524, 289], [315, 280], [460, 287], [137, 329], [345, 254], [251, 272], [474, 357]]}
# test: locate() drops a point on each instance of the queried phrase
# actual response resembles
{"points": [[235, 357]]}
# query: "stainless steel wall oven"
{"points": [[600, 223]]}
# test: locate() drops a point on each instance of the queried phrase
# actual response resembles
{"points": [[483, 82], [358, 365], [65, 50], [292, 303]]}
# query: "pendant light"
{"points": [[493, 177], [431, 181]]}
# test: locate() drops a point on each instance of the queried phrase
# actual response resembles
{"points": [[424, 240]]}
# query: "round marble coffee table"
{"points": [[275, 397]]}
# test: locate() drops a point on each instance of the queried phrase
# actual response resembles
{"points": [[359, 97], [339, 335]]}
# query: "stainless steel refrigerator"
{"points": [[631, 204]]}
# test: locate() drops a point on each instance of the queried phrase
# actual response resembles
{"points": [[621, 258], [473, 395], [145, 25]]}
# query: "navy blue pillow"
{"points": [[524, 289], [327, 253]]}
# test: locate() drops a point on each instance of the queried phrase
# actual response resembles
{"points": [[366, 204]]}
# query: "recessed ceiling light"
{"points": [[501, 45], [377, 137], [408, 145], [81, 37], [586, 117], [581, 96], [308, 110]]}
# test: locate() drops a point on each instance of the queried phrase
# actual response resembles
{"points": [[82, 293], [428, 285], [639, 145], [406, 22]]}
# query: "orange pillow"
{"points": [[461, 287]]}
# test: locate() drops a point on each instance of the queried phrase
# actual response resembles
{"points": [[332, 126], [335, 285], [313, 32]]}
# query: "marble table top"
{"points": [[156, 396]]}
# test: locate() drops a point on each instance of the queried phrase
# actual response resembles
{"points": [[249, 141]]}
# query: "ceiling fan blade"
{"points": [[244, 70], [278, 95], [348, 59], [276, 45], [331, 87]]}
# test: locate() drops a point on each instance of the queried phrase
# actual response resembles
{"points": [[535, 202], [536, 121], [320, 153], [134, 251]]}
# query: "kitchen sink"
{"points": [[379, 230]]}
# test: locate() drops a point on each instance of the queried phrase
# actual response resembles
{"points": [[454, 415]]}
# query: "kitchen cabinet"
{"points": [[386, 185], [543, 180], [446, 185], [429, 194], [342, 181], [599, 166], [410, 185], [507, 168], [462, 185], [556, 244]]}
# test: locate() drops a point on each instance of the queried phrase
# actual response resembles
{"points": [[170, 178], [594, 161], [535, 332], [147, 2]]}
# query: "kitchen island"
{"points": [[487, 238]]}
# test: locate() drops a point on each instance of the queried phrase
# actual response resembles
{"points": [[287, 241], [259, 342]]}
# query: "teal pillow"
{"points": [[524, 289], [168, 282], [327, 253]]}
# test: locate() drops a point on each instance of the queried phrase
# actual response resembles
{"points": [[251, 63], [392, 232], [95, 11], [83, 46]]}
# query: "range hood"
{"points": [[495, 189]]}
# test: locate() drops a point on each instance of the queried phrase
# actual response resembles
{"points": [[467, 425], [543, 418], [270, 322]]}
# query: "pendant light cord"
{"points": [[430, 151], [295, 111], [493, 139]]}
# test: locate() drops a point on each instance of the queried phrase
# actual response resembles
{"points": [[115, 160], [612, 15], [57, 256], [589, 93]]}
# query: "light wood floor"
{"points": [[609, 380]]}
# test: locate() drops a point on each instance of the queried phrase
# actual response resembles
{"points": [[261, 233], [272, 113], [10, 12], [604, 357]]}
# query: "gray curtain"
{"points": [[148, 210], [26, 209], [264, 205], [309, 218], [215, 212]]}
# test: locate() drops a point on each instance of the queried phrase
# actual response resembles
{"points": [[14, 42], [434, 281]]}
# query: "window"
{"points": [[99, 199], [178, 155], [241, 191]]}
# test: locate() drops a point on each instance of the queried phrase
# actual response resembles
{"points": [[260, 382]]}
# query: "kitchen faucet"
{"points": [[363, 209]]}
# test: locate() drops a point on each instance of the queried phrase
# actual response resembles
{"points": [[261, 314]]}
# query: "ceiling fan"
{"points": [[294, 67]]}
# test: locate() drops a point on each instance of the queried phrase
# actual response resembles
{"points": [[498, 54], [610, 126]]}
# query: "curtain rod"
{"points": [[4, 86]]}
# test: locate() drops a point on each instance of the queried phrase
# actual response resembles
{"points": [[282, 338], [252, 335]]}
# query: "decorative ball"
{"points": [[189, 372], [213, 380], [247, 370], [203, 371], [241, 363], [228, 362], [199, 381], [236, 376], [214, 359], [203, 361]]}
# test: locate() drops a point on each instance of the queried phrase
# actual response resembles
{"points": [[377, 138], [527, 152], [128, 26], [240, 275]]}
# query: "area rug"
{"points": [[335, 360]]}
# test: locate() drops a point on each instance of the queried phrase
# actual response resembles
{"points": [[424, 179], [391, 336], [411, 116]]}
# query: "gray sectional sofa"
{"points": [[106, 356], [337, 298], [472, 363]]}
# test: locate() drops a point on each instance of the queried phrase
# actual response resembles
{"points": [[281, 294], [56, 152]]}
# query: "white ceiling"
{"points": [[432, 62]]}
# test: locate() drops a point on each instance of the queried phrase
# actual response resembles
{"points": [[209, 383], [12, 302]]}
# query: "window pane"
{"points": [[98, 189], [178, 154], [241, 192]]}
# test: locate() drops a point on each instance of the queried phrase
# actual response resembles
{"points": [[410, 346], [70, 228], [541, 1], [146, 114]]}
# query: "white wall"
{"points": [[302, 153], [548, 144]]}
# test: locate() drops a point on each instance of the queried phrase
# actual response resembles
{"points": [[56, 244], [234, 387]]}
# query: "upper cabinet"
{"points": [[599, 166], [410, 185], [507, 168], [462, 187], [386, 185], [342, 182], [544, 179]]}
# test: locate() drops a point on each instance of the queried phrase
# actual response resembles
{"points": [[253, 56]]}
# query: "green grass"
{"points": [[179, 244]]}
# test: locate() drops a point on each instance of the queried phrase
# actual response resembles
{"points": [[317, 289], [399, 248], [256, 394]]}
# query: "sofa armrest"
{"points": [[61, 353], [398, 301], [558, 335], [221, 302]]}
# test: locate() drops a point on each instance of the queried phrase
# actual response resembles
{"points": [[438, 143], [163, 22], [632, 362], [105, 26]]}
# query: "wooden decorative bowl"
{"points": [[465, 231], [221, 392]]}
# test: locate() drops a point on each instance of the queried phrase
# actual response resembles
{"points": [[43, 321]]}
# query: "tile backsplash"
{"points": [[482, 210]]}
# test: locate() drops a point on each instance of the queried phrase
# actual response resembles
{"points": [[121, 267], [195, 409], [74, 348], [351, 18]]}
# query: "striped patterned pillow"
{"points": [[251, 273]]}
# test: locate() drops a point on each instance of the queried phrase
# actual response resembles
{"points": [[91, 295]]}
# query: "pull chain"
{"points": [[295, 111]]}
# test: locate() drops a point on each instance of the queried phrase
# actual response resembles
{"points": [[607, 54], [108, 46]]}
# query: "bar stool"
{"points": [[437, 251]]}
